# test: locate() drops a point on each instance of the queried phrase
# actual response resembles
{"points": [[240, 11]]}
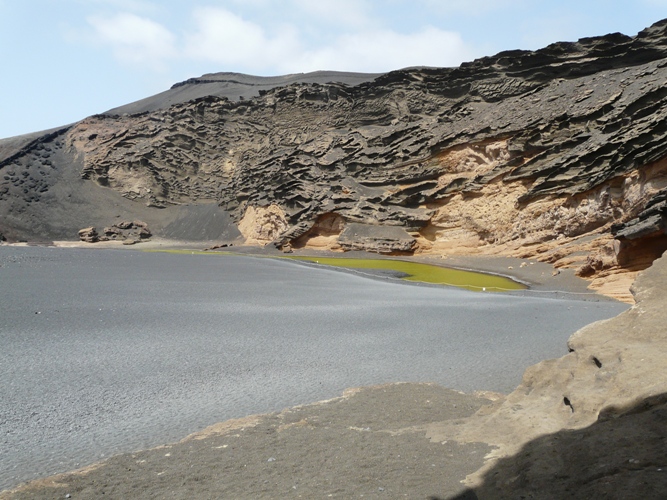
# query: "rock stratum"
{"points": [[557, 154]]}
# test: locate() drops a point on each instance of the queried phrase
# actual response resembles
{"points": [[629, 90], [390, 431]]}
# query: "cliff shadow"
{"points": [[622, 455]]}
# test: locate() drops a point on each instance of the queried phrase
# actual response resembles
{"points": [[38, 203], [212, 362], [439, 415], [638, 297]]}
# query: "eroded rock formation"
{"points": [[129, 232], [589, 424], [89, 235], [557, 154]]}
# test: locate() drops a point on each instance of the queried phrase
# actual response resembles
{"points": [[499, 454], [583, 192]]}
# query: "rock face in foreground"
{"points": [[557, 154], [590, 424]]}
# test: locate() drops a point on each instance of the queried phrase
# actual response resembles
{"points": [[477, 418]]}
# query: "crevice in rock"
{"points": [[566, 402]]}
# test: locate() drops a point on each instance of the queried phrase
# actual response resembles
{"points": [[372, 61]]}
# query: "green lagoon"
{"points": [[425, 273], [410, 271]]}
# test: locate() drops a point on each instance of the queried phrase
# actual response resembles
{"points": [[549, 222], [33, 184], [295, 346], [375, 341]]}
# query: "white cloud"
{"points": [[226, 38], [256, 4], [343, 12], [385, 50], [229, 42], [124, 5], [135, 39], [472, 7]]}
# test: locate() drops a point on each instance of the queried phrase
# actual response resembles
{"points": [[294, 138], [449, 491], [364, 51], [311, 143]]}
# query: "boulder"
{"points": [[378, 239], [112, 232], [127, 232], [89, 235]]}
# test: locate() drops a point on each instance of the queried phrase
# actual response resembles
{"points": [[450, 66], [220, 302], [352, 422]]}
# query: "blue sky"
{"points": [[63, 60]]}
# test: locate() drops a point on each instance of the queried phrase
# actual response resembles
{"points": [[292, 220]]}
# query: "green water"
{"points": [[425, 273], [185, 251], [415, 271]]}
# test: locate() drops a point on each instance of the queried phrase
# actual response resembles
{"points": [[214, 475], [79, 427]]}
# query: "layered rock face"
{"points": [[558, 155]]}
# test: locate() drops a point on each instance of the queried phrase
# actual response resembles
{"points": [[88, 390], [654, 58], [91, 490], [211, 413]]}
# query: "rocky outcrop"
{"points": [[382, 239], [234, 86], [89, 235], [129, 232], [261, 225], [591, 421], [557, 155]]}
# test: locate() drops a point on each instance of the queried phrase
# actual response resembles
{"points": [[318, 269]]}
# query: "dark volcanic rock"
{"points": [[234, 86], [652, 221], [532, 154], [380, 239]]}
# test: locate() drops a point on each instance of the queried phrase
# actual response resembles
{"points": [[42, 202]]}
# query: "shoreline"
{"points": [[281, 435], [541, 278], [369, 442], [400, 403]]}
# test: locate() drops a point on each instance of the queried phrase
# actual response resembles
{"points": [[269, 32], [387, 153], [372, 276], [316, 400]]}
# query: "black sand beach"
{"points": [[112, 351]]}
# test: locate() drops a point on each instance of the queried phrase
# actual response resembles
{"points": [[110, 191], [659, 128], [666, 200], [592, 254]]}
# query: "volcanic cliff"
{"points": [[557, 155]]}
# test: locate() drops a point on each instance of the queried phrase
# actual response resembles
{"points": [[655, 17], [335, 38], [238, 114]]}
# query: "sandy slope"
{"points": [[235, 86]]}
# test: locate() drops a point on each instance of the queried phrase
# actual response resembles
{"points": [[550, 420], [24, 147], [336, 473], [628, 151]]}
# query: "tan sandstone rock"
{"points": [[615, 369]]}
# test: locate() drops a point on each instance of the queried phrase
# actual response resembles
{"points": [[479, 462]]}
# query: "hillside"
{"points": [[556, 154]]}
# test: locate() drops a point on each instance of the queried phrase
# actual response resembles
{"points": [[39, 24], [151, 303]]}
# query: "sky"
{"points": [[64, 60]]}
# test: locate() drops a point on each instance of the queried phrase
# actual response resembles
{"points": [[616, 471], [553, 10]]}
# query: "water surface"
{"points": [[425, 273], [108, 351]]}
